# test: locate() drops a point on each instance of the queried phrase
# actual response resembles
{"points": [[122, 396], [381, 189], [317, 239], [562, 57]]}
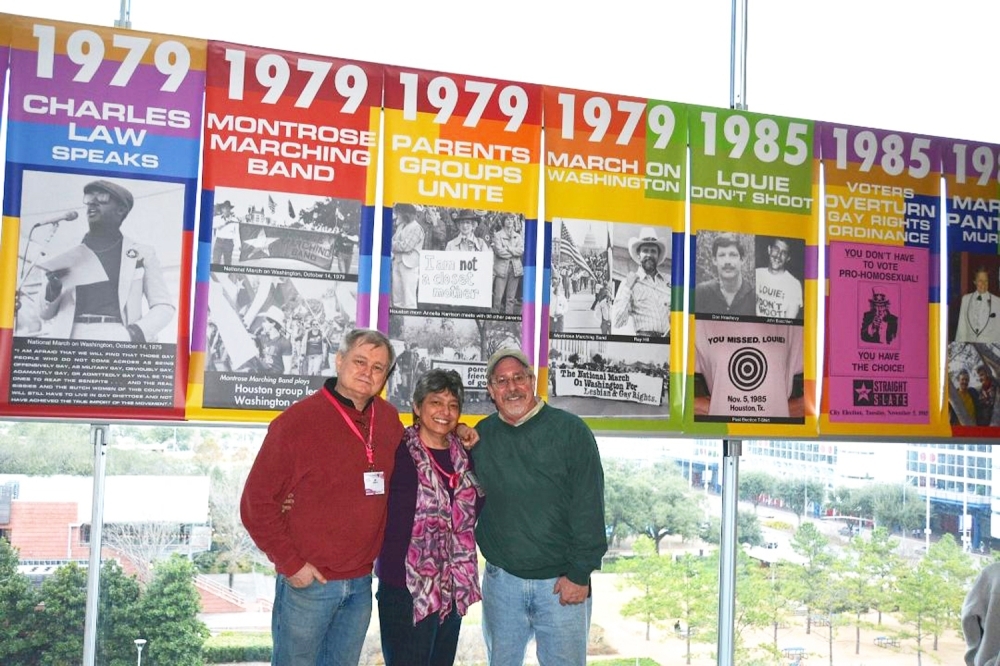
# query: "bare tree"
{"points": [[143, 544], [237, 551]]}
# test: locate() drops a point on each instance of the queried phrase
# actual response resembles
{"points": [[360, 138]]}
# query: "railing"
{"points": [[223, 592], [259, 604]]}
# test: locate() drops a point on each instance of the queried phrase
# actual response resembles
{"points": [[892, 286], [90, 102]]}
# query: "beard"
{"points": [[649, 264]]}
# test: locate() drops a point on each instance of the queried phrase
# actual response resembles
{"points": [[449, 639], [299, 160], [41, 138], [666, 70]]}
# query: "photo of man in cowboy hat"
{"points": [[644, 296]]}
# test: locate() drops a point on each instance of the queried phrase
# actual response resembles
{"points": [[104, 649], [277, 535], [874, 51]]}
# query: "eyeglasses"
{"points": [[519, 379], [96, 197]]}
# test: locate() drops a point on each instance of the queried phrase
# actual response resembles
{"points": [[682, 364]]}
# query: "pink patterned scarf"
{"points": [[441, 564]]}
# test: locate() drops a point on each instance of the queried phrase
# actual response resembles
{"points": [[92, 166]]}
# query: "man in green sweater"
{"points": [[542, 526]]}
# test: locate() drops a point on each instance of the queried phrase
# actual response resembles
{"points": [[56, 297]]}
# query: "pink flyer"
{"points": [[878, 362]]}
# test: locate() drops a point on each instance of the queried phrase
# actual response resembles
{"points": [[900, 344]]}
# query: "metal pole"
{"points": [[731, 449], [966, 536], [99, 439], [927, 516], [124, 15], [738, 56]]}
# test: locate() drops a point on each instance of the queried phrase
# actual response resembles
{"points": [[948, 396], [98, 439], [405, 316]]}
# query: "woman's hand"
{"points": [[468, 436]]}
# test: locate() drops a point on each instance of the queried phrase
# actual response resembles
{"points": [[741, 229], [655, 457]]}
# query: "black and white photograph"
{"points": [[98, 258], [725, 277], [614, 379], [779, 277], [640, 270], [973, 304], [581, 290], [457, 259], [878, 308], [452, 343], [268, 325], [285, 230], [972, 374]]}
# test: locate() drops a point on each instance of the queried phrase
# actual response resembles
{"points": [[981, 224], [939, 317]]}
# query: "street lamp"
{"points": [[139, 643]]}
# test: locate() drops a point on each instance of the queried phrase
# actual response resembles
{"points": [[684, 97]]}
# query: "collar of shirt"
{"points": [[331, 386], [646, 277], [539, 403]]}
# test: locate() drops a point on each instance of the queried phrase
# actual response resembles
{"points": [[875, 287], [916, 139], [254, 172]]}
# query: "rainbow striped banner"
{"points": [[972, 210], [882, 196], [615, 184], [99, 206], [459, 226], [287, 221], [752, 316]]}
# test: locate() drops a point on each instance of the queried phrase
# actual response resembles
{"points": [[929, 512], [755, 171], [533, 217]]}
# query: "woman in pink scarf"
{"points": [[427, 569]]}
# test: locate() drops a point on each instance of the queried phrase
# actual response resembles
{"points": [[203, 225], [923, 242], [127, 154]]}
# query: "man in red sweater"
{"points": [[334, 451]]}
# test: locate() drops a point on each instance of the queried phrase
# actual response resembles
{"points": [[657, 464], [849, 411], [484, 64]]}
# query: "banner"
{"points": [[287, 214], [882, 196], [6, 25], [972, 209], [753, 313], [615, 183], [459, 224], [99, 201]]}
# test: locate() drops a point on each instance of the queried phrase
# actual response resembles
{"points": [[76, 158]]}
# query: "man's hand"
{"points": [[468, 435], [569, 592], [305, 576]]}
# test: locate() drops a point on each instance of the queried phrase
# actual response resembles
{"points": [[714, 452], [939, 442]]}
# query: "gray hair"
{"points": [[367, 336], [436, 381]]}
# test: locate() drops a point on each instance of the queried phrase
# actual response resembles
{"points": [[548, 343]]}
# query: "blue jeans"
{"points": [[428, 643], [515, 608], [322, 624]]}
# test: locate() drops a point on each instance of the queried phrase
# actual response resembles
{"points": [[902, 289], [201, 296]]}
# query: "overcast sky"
{"points": [[915, 66]]}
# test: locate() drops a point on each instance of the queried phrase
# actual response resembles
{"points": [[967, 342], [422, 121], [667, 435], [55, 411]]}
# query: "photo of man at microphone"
{"points": [[97, 282]]}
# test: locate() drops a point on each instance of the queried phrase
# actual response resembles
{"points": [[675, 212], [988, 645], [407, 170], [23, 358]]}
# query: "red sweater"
{"points": [[310, 451]]}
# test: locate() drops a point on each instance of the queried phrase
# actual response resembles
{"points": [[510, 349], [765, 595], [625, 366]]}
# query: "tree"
{"points": [[621, 496], [666, 505], [169, 615], [918, 601], [954, 570], [43, 449], [756, 603], [797, 494], [881, 566], [236, 552], [19, 644], [814, 574], [755, 485], [693, 597], [777, 597], [649, 573], [142, 544], [748, 529], [64, 595], [117, 618]]}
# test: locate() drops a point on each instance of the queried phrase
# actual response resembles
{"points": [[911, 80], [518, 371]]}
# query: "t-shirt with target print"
{"points": [[749, 367]]}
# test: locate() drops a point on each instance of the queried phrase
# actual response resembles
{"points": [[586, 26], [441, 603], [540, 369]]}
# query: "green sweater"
{"points": [[544, 510]]}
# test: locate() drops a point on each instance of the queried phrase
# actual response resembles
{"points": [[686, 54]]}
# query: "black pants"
{"points": [[429, 643]]}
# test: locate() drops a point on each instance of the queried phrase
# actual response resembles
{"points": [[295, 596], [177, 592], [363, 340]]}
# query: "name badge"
{"points": [[374, 483]]}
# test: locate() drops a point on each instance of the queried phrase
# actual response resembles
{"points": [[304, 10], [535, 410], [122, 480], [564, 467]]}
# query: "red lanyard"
{"points": [[452, 477], [369, 448]]}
